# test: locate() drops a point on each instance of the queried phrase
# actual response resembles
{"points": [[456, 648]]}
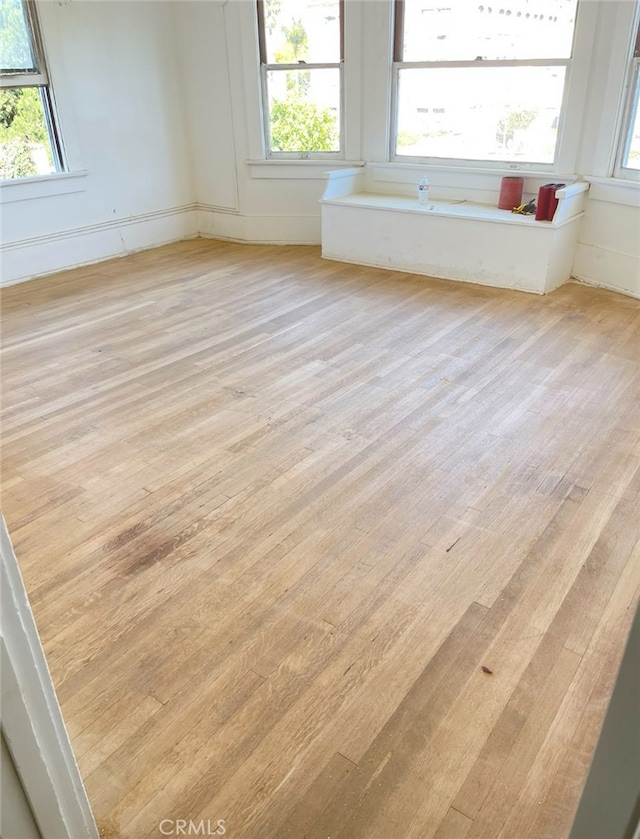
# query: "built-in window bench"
{"points": [[450, 238]]}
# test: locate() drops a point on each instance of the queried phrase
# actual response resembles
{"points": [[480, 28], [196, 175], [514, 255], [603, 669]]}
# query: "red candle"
{"points": [[510, 193]]}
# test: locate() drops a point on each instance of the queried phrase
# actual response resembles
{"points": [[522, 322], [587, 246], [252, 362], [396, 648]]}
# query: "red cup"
{"points": [[510, 192]]}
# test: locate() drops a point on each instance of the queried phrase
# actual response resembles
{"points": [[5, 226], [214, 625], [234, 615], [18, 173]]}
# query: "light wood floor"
{"points": [[276, 513]]}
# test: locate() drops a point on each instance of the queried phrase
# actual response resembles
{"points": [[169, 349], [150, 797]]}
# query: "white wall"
{"points": [[240, 197], [608, 249], [160, 103], [206, 92], [115, 72]]}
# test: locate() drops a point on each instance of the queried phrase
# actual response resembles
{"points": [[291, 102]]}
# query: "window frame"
{"points": [[40, 80], [266, 68], [397, 64], [631, 106]]}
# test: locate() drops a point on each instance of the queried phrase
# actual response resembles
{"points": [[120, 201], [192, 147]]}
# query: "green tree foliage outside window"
{"points": [[299, 125], [271, 12], [297, 43], [512, 122], [23, 131], [16, 160]]}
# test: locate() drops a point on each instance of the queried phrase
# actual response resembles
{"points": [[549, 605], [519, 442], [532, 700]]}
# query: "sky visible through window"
{"points": [[462, 30]]}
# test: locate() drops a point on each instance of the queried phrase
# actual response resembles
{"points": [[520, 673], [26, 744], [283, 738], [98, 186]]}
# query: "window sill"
{"points": [[500, 169], [43, 186], [614, 190], [298, 169], [395, 172], [476, 185]]}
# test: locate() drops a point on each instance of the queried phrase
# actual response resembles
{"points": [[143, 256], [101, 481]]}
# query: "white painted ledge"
{"points": [[316, 169], [614, 190], [25, 189]]}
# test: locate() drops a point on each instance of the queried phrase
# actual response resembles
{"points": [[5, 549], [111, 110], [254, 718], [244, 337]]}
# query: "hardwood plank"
{"points": [[455, 825]]}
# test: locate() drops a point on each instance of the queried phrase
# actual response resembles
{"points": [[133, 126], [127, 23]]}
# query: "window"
{"points": [[29, 141], [629, 157], [481, 81], [301, 46]]}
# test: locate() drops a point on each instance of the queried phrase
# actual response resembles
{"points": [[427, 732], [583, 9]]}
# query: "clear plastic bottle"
{"points": [[423, 191]]}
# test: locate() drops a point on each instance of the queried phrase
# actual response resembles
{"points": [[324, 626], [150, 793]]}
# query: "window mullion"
{"points": [[398, 31], [56, 142], [302, 67], [262, 44], [506, 62], [630, 120], [266, 116], [12, 80], [393, 122]]}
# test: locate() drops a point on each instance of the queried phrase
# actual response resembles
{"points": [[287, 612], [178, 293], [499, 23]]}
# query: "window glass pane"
{"points": [[633, 152], [304, 110], [463, 30], [25, 148], [16, 53], [302, 30], [490, 113]]}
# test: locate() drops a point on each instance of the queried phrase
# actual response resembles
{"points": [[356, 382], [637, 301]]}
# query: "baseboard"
{"points": [[605, 286], [27, 259], [38, 256], [602, 268], [214, 223]]}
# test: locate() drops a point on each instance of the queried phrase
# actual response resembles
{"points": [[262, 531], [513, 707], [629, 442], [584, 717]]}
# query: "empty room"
{"points": [[320, 419]]}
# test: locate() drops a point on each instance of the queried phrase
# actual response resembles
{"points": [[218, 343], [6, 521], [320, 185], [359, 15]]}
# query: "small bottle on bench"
{"points": [[423, 190]]}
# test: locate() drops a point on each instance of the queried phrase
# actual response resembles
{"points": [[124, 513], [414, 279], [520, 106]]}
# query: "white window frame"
{"points": [[570, 109], [266, 67], [632, 104], [40, 80]]}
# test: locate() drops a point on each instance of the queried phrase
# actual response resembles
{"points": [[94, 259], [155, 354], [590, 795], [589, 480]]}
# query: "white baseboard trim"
{"points": [[605, 286], [38, 256], [28, 259], [602, 268], [214, 223]]}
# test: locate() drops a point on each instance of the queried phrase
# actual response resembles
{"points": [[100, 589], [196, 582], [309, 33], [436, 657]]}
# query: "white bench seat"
{"points": [[448, 238]]}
